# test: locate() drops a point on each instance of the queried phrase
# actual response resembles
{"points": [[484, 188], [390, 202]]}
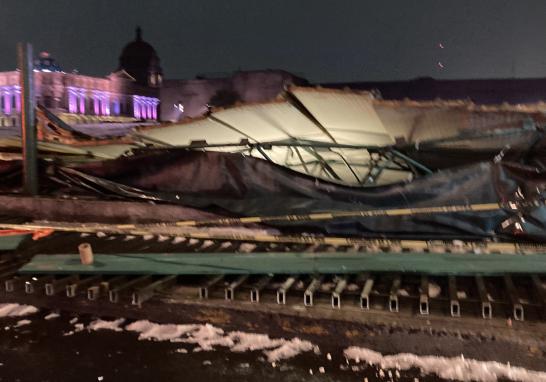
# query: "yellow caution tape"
{"points": [[369, 245], [343, 214]]}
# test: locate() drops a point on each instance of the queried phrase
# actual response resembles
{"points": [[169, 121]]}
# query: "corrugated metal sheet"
{"points": [[271, 122], [349, 116], [202, 129], [342, 117], [422, 121]]}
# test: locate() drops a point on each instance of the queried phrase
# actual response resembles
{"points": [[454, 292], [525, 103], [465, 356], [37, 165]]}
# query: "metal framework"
{"points": [[366, 164]]}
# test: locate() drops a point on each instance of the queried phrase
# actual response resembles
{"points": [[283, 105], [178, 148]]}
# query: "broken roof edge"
{"points": [[320, 89], [278, 100], [190, 120], [51, 129], [537, 107]]}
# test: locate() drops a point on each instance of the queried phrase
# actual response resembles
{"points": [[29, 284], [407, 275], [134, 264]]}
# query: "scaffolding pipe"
{"points": [[28, 123]]}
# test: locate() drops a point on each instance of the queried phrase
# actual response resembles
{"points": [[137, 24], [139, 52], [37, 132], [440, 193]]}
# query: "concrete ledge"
{"points": [[43, 208]]}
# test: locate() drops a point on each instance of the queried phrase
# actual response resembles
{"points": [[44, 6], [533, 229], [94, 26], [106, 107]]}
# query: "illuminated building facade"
{"points": [[135, 91], [130, 93]]}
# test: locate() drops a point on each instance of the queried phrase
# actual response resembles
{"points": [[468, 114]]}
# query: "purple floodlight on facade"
{"points": [[96, 106], [11, 99], [136, 107], [72, 101], [83, 95], [100, 100], [76, 100], [82, 101], [143, 111], [7, 101], [106, 103], [145, 107]]}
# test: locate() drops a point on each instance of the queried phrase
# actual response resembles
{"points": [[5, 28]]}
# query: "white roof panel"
{"points": [[273, 121], [184, 133], [346, 115]]}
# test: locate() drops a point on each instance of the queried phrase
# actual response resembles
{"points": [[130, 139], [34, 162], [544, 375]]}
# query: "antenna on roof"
{"points": [[138, 33]]}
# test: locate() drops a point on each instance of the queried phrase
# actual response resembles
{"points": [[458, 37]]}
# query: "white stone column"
{"points": [[81, 101], [72, 101], [154, 109], [7, 100], [136, 107], [18, 99]]}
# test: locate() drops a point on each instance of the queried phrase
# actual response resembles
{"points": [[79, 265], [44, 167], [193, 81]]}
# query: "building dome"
{"points": [[140, 60]]}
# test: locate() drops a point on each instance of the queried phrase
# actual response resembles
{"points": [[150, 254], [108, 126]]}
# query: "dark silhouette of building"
{"points": [[480, 91], [192, 98], [141, 61]]}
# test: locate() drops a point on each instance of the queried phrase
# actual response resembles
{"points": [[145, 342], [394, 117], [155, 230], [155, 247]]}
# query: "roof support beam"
{"points": [[296, 103]]}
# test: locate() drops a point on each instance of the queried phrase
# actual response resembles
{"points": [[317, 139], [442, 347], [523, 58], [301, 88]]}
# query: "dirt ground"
{"points": [[42, 352], [520, 345]]}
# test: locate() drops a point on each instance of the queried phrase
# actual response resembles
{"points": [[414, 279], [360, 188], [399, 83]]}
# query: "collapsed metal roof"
{"points": [[340, 135], [344, 136], [320, 115]]}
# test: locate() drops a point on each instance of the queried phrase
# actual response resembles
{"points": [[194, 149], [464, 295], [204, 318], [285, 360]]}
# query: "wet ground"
{"points": [[41, 351]]}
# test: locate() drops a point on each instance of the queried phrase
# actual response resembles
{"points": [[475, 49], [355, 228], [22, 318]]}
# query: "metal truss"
{"points": [[344, 163]]}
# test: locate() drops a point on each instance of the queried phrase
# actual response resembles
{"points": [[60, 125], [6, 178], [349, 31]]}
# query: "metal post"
{"points": [[453, 298], [423, 297], [393, 295], [336, 294], [229, 292], [54, 286], [147, 292], [487, 309], [313, 286], [281, 293], [258, 287], [514, 298], [365, 295], [204, 290], [28, 123]]}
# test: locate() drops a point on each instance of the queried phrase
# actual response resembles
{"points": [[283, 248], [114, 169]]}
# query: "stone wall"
{"points": [[191, 98]]}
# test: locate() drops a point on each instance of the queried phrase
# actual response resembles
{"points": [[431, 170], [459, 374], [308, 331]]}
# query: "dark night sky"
{"points": [[324, 41]]}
